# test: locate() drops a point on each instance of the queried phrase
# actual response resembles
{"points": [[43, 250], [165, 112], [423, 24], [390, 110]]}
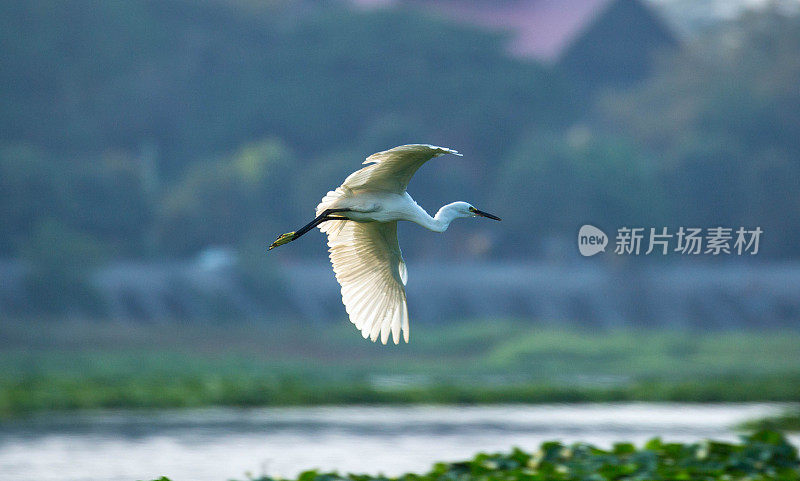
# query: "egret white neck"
{"points": [[441, 221]]}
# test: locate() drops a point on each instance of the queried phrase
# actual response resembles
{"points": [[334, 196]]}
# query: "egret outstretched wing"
{"points": [[369, 266], [391, 170]]}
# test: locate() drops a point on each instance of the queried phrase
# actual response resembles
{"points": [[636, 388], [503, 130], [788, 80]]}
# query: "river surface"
{"points": [[223, 444]]}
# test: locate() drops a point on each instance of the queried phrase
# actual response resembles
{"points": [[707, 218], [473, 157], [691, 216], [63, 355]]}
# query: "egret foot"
{"points": [[283, 239]]}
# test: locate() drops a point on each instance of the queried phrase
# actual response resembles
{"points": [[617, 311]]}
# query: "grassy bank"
{"points": [[760, 457], [75, 365]]}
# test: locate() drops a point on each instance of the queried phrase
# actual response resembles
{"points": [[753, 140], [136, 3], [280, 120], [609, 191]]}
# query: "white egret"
{"points": [[360, 218]]}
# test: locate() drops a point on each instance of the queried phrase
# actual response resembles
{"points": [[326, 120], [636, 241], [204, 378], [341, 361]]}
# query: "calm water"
{"points": [[220, 444]]}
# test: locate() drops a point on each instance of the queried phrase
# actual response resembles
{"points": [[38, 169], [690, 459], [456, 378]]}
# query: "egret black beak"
{"points": [[484, 214]]}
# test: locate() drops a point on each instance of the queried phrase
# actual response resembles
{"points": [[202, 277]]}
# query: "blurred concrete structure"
{"points": [[676, 295], [584, 294]]}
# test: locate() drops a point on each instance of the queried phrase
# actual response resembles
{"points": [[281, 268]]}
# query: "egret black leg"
{"points": [[319, 220], [290, 236]]}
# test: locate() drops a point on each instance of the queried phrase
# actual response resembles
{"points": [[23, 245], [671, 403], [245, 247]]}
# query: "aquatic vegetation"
{"points": [[765, 455]]}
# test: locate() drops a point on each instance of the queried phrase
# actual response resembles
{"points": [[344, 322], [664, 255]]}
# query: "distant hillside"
{"points": [[192, 79]]}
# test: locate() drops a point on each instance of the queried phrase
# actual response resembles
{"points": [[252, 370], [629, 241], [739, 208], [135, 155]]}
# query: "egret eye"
{"points": [[472, 209]]}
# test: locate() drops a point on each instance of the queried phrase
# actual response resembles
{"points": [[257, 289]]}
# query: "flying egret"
{"points": [[360, 218]]}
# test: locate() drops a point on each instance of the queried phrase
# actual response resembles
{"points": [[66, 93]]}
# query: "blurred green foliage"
{"points": [[761, 456], [159, 128], [227, 201], [60, 260], [557, 183], [82, 365], [722, 121], [788, 421], [147, 116]]}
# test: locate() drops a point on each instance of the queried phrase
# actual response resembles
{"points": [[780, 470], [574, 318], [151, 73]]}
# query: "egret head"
{"points": [[479, 213], [465, 209]]}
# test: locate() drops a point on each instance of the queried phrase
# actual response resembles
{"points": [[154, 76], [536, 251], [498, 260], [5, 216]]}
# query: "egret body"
{"points": [[360, 218]]}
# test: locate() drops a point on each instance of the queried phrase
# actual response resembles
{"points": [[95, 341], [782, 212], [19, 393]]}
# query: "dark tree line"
{"points": [[149, 129]]}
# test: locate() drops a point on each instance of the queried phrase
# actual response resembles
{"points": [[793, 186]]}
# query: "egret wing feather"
{"points": [[369, 266], [391, 170]]}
